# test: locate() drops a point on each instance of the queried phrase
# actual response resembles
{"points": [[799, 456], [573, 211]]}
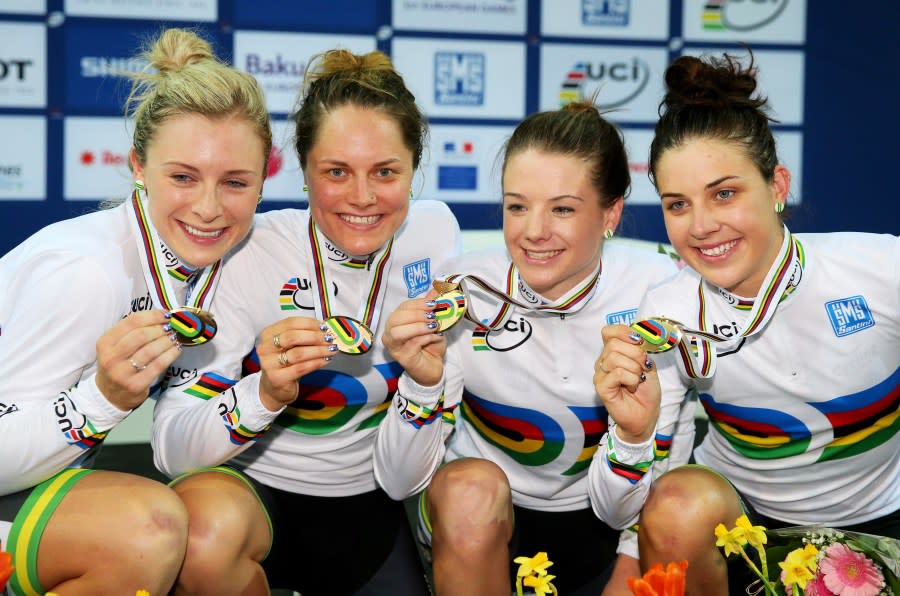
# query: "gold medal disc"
{"points": [[350, 336], [659, 334], [193, 326]]}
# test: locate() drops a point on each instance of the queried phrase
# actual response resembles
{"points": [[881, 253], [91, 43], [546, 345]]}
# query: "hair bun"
{"points": [[177, 48], [713, 82]]}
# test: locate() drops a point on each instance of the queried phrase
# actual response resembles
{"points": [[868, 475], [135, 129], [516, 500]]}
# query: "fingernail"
{"points": [[648, 364], [173, 336], [329, 358], [429, 314], [323, 327], [643, 377], [167, 315], [329, 337], [167, 327], [431, 325], [431, 304], [634, 337], [440, 333], [332, 348]]}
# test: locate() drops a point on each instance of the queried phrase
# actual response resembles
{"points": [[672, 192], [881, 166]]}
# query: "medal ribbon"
{"points": [[571, 302], [370, 308], [699, 359], [199, 294]]}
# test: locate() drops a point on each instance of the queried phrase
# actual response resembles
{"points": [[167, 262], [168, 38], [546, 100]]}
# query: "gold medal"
{"points": [[192, 326], [350, 336], [443, 287], [449, 308], [659, 334]]}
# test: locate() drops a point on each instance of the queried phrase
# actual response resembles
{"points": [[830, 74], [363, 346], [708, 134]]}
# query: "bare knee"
{"points": [[470, 505], [227, 530], [683, 508]]}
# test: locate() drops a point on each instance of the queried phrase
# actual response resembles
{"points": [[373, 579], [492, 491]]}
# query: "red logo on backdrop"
{"points": [[107, 158], [276, 161]]}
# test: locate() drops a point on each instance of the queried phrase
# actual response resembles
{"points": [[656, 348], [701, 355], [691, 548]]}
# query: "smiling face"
{"points": [[553, 223], [359, 173], [720, 212], [203, 178]]}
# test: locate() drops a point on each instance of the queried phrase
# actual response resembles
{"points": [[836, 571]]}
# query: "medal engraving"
{"points": [[659, 334], [449, 309], [350, 335], [193, 326]]}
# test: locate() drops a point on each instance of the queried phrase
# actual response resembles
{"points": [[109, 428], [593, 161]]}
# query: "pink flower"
{"points": [[849, 573], [816, 587]]}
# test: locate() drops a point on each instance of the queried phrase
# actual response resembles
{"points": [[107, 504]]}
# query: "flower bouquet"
{"points": [[814, 560]]}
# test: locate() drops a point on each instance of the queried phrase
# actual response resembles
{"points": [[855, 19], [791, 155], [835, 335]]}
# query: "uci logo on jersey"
{"points": [[849, 315], [623, 317], [417, 277]]}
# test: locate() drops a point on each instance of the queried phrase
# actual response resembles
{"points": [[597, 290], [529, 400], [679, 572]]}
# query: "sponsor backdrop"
{"points": [[477, 67]]}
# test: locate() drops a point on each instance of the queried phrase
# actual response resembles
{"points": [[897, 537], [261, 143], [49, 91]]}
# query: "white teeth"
{"points": [[540, 256], [202, 234], [362, 220], [718, 250]]}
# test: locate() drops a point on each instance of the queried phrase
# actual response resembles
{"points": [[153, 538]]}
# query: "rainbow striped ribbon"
{"points": [[200, 293], [370, 308], [570, 303], [699, 358]]}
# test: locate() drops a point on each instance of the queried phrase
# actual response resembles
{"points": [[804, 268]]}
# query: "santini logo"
{"points": [[741, 15], [849, 315], [605, 13], [459, 78]]}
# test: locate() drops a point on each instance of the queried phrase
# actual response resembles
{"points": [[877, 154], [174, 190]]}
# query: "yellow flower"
{"points": [[541, 584], [799, 566], [754, 535], [731, 540], [533, 565]]}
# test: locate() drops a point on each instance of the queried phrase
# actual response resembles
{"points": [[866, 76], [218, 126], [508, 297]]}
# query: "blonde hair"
{"points": [[339, 77], [183, 76]]}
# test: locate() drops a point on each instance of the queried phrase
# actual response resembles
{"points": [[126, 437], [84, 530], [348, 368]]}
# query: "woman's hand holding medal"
{"points": [[132, 354], [287, 350], [627, 384], [411, 337]]}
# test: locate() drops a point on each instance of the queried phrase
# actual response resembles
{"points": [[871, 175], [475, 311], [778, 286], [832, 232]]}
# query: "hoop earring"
{"points": [[139, 185], [608, 234], [305, 188], [779, 207]]}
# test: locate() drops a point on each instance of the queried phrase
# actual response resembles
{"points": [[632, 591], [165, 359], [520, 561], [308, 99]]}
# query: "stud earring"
{"points": [[608, 234], [139, 185], [779, 207], [305, 188], [410, 193], [259, 199]]}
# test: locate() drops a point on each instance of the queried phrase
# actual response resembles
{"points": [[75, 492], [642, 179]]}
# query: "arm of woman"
{"points": [[55, 408], [409, 442]]}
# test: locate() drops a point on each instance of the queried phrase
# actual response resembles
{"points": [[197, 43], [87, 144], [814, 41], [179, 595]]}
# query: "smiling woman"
{"points": [[95, 309]]}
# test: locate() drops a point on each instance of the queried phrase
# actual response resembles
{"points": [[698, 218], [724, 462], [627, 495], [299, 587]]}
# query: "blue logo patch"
{"points": [[849, 315], [623, 317], [417, 277], [610, 13], [459, 78]]}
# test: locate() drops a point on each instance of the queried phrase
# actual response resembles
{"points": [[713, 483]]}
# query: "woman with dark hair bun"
{"points": [[791, 341], [517, 446], [273, 452]]}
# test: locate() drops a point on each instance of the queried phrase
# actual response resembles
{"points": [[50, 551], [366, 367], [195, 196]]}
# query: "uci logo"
{"points": [[142, 303], [622, 81], [171, 259], [741, 15], [528, 294], [726, 330], [296, 294], [336, 254], [513, 334], [177, 376]]}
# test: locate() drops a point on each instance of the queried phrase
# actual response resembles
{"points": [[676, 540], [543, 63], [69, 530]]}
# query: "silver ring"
{"points": [[283, 359], [277, 340], [136, 366]]}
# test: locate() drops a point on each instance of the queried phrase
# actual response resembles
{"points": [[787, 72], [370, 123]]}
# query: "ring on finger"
{"points": [[602, 368], [283, 359], [277, 340], [136, 366]]}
